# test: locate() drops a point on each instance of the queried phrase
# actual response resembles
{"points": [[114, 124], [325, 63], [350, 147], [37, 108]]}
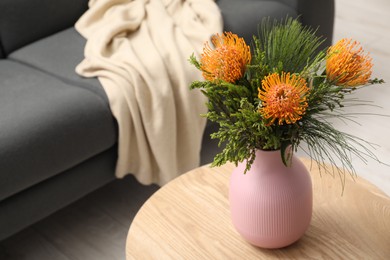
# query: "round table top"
{"points": [[189, 218]]}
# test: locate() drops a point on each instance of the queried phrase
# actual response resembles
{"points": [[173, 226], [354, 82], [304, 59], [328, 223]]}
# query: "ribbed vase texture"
{"points": [[271, 205]]}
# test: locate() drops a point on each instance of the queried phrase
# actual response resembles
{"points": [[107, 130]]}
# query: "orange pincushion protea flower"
{"points": [[227, 61], [283, 98], [347, 64]]}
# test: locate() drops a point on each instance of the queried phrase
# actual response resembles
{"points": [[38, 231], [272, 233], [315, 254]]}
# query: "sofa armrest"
{"points": [[244, 16], [319, 14]]}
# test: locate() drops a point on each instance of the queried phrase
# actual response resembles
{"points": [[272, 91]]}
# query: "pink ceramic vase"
{"points": [[271, 205]]}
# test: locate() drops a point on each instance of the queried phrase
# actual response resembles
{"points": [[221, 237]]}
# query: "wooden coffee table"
{"points": [[189, 218]]}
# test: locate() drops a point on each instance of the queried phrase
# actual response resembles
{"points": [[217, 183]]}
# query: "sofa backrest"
{"points": [[25, 21]]}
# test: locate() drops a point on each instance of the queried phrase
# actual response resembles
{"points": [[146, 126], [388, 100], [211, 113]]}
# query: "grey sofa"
{"points": [[57, 134]]}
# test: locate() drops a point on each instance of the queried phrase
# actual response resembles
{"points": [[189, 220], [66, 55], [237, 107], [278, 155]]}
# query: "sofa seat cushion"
{"points": [[46, 126], [58, 55]]}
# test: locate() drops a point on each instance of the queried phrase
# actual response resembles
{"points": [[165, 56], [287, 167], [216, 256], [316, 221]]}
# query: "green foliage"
{"points": [[285, 46], [282, 47]]}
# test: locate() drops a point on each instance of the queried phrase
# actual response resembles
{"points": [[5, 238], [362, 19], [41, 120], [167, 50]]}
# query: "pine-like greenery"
{"points": [[285, 46]]}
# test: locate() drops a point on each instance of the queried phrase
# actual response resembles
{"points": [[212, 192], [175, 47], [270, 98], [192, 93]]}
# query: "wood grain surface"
{"points": [[84, 236], [189, 218]]}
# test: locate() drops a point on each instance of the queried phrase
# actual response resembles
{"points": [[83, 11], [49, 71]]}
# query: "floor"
{"points": [[96, 226]]}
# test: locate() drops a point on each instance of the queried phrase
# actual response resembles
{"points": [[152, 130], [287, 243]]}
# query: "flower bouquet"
{"points": [[283, 92]]}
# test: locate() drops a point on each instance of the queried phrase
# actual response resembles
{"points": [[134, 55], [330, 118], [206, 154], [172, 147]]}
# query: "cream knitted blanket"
{"points": [[139, 51]]}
